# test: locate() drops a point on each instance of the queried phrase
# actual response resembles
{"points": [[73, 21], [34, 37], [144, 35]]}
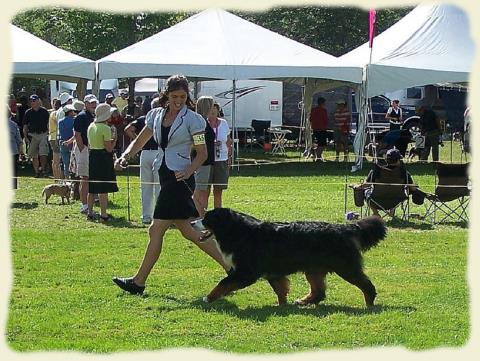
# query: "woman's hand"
{"points": [[182, 174]]}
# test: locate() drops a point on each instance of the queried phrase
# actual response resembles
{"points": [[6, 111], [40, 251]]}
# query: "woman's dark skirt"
{"points": [[175, 198], [101, 173]]}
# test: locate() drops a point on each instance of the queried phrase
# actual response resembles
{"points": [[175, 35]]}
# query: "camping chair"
{"points": [[388, 193], [259, 132], [452, 186]]}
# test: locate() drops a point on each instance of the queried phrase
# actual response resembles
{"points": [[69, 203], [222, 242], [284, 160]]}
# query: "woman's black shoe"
{"points": [[127, 284]]}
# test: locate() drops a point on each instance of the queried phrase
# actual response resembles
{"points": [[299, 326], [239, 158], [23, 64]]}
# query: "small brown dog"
{"points": [[61, 190]]}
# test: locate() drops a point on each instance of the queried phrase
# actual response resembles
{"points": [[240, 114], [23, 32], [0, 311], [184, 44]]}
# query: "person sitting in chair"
{"points": [[393, 158]]}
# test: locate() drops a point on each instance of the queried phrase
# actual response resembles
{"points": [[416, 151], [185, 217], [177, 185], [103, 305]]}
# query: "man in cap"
{"points": [[109, 99], [343, 119], [36, 127], [80, 127]]}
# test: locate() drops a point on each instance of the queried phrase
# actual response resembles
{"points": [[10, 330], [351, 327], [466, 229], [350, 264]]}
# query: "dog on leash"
{"points": [[274, 250], [61, 190]]}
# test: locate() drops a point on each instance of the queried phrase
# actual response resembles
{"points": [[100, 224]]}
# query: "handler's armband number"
{"points": [[198, 139]]}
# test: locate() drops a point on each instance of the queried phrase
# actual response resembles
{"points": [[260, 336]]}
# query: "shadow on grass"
{"points": [[263, 313], [121, 222], [398, 223], [20, 205]]}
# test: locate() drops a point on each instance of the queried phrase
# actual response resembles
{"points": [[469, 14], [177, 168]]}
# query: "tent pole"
{"points": [[235, 147], [303, 123]]}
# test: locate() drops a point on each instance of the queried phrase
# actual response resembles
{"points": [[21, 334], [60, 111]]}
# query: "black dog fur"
{"points": [[274, 250]]}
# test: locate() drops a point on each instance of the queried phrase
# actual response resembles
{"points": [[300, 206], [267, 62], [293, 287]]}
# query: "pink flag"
{"points": [[371, 26]]}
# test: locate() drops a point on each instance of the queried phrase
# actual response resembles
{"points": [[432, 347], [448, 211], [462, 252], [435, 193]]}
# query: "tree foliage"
{"points": [[96, 34], [90, 34], [332, 30]]}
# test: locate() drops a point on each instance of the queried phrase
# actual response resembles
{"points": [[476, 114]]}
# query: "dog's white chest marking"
{"points": [[227, 258]]}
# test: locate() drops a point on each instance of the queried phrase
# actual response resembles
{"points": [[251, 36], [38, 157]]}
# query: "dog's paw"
{"points": [[205, 299]]}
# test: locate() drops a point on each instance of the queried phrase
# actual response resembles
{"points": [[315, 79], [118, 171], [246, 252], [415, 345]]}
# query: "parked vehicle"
{"points": [[379, 106]]}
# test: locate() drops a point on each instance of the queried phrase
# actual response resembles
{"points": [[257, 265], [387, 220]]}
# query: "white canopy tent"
{"points": [[215, 44], [33, 57], [432, 44], [218, 45]]}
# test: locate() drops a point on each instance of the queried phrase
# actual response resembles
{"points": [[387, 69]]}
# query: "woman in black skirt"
{"points": [[101, 173], [176, 128]]}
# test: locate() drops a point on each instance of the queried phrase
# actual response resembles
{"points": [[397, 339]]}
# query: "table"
{"points": [[279, 140]]}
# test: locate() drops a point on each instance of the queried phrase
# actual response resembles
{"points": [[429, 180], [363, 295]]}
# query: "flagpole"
{"points": [[360, 137]]}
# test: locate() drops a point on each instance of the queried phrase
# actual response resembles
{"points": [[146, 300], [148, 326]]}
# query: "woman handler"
{"points": [[175, 128]]}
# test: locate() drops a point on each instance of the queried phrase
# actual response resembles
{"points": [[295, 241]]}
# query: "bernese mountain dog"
{"points": [[274, 250]]}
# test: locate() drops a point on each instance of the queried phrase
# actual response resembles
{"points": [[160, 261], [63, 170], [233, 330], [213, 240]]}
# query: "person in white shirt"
{"points": [[394, 115], [223, 153]]}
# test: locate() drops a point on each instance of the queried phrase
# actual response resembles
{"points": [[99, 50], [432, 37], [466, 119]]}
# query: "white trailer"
{"points": [[255, 99]]}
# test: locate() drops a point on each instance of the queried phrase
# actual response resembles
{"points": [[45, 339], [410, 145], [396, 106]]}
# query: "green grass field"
{"points": [[63, 298]]}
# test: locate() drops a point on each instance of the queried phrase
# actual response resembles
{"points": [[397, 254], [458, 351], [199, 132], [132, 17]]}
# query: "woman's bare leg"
{"points": [[200, 198], [103, 197], [152, 253], [217, 197], [209, 246]]}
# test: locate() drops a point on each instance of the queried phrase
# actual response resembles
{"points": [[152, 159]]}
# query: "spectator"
{"points": [[139, 102], [146, 105], [66, 137], [394, 115], [117, 121], [78, 105], [109, 99], [52, 139], [319, 124], [65, 99], [121, 101], [343, 118], [431, 130], [203, 180], [20, 115], [101, 174], [176, 129], [36, 126], [149, 180], [394, 160], [223, 153], [12, 104], [15, 144], [80, 148], [131, 109]]}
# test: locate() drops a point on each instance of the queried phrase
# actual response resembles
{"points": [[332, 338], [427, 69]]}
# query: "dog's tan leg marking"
{"points": [[227, 285], [318, 287], [364, 284], [281, 286]]}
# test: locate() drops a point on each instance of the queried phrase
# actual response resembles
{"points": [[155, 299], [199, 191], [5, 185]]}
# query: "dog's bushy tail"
{"points": [[372, 231]]}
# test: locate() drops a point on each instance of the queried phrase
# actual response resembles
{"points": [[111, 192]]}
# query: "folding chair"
{"points": [[388, 193], [452, 194], [259, 131]]}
